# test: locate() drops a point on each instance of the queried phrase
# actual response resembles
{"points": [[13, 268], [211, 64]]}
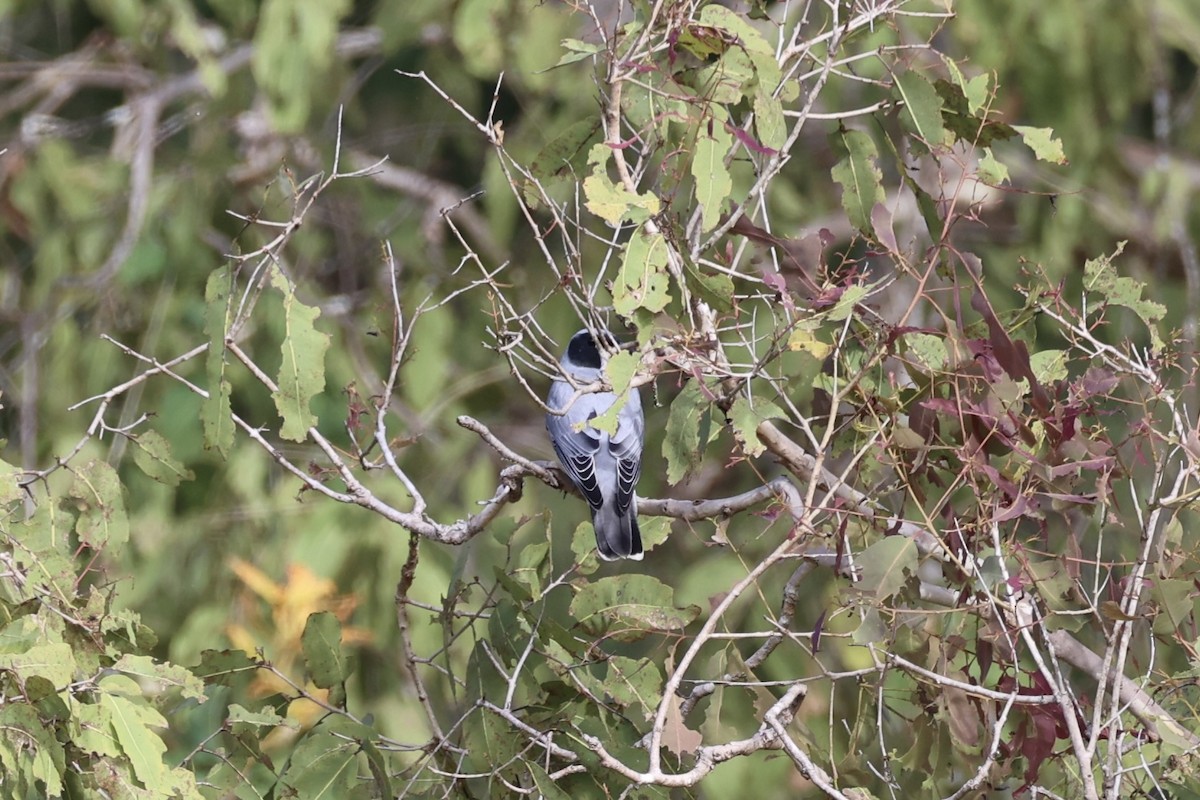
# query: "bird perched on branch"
{"points": [[604, 468]]}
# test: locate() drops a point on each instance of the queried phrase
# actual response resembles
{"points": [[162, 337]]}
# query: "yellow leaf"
{"points": [[256, 580]]}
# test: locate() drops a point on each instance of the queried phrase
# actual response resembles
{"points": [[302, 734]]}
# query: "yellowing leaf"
{"points": [[806, 340], [609, 201], [1044, 144], [257, 580]]}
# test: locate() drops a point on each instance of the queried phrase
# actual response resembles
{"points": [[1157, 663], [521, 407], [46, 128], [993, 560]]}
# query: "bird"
{"points": [[604, 468]]}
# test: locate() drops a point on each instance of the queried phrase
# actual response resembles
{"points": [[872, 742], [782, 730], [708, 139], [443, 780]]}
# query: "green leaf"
{"points": [[1174, 598], [627, 607], [634, 682], [102, 522], [610, 419], [682, 444], [1044, 144], [216, 413], [577, 50], [53, 661], [10, 490], [220, 666], [29, 754], [620, 370], [851, 297], [746, 418], [991, 171], [556, 158], [239, 717], [146, 668], [322, 767], [322, 645], [547, 788], [655, 531], [859, 176], [92, 730], [769, 121], [294, 50], [152, 454], [143, 747], [1100, 276], [975, 90], [44, 550], [302, 372], [928, 350], [924, 108], [612, 203], [751, 47], [1049, 365], [583, 545], [713, 183], [884, 565], [716, 290], [642, 281], [871, 630], [528, 570]]}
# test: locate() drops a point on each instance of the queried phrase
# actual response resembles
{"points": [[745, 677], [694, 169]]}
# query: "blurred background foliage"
{"points": [[100, 234]]}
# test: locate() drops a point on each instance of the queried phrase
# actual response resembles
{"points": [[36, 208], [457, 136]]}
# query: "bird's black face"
{"points": [[583, 351]]}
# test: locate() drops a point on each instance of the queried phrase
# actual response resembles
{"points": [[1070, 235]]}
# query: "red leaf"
{"points": [[749, 141]]}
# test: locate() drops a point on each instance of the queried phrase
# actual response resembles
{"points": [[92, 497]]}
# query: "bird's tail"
{"points": [[617, 534]]}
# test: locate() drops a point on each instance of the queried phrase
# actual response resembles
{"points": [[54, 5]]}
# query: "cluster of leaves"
{"points": [[81, 699], [84, 706]]}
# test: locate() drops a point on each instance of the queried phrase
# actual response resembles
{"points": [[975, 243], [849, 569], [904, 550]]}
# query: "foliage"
{"points": [[922, 459]]}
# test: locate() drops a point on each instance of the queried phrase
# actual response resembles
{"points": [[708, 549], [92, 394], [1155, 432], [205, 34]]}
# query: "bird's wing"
{"points": [[626, 447], [576, 449]]}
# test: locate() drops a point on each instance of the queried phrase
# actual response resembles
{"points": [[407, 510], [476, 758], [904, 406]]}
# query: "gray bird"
{"points": [[604, 468]]}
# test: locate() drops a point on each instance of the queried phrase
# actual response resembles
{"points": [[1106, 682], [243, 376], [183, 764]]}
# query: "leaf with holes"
{"points": [[610, 201], [102, 522], [642, 281], [1100, 276]]}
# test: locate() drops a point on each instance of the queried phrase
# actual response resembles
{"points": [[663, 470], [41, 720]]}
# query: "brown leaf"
{"points": [[1012, 356], [677, 736], [961, 715]]}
